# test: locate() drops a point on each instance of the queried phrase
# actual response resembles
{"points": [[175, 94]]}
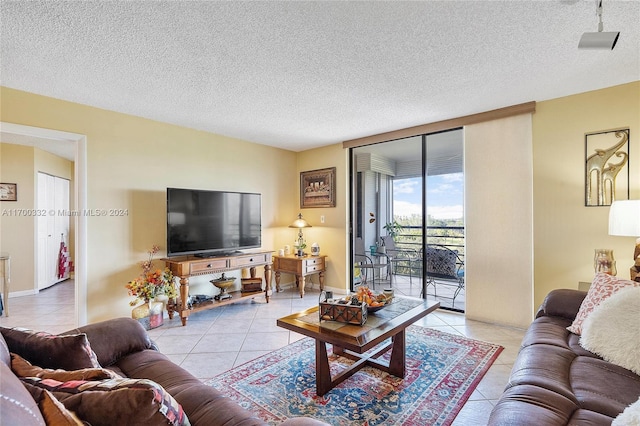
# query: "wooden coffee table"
{"points": [[355, 341]]}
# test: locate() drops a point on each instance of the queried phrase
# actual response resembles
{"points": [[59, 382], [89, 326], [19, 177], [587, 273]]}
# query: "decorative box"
{"points": [[251, 284], [330, 310]]}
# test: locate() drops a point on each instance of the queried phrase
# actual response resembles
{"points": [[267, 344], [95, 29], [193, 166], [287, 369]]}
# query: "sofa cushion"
{"points": [[23, 368], [17, 407], [115, 401], [612, 329], [115, 338], [46, 350], [602, 287]]}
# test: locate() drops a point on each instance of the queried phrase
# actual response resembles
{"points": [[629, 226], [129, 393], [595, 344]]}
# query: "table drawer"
{"points": [[313, 265], [208, 266], [250, 261]]}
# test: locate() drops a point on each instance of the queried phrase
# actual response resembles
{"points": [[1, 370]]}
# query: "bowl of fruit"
{"points": [[374, 302]]}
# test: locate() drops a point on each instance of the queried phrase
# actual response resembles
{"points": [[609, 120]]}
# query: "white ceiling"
{"points": [[299, 75]]}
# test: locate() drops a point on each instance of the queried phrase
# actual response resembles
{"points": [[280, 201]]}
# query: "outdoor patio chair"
{"points": [[399, 257], [443, 267]]}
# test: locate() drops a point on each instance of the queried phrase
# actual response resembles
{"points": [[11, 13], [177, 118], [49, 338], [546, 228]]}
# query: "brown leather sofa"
{"points": [[122, 345], [554, 381]]}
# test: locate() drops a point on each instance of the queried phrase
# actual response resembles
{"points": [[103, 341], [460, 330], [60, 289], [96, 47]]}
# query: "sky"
{"points": [[445, 196]]}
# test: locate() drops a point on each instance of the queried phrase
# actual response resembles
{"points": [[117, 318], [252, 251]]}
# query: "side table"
{"points": [[301, 267]]}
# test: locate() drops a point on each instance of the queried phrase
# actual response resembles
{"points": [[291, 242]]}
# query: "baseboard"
{"points": [[21, 293]]}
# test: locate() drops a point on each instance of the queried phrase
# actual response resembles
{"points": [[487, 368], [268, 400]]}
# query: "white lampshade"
{"points": [[624, 218]]}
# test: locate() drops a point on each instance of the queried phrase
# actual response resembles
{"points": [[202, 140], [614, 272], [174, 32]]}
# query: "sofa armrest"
{"points": [[115, 338], [563, 303]]}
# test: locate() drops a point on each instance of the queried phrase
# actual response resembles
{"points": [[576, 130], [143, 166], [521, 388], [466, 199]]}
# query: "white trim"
{"points": [[21, 293], [81, 205]]}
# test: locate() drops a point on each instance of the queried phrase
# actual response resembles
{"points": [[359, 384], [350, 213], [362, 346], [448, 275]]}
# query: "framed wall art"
{"points": [[8, 192], [606, 167], [318, 188]]}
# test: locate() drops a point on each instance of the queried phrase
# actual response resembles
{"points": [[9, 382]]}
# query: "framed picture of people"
{"points": [[318, 188]]}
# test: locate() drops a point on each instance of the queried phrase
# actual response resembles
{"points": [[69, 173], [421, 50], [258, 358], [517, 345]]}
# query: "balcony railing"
{"points": [[411, 239]]}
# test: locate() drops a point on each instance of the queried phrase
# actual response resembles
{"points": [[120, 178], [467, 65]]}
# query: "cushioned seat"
{"points": [[554, 381]]}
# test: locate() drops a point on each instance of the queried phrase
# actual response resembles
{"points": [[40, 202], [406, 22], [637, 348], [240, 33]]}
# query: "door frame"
{"points": [[80, 190]]}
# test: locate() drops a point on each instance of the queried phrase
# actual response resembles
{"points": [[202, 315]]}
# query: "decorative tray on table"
{"points": [[352, 309]]}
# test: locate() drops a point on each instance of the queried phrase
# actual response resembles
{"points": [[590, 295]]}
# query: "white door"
{"points": [[53, 226]]}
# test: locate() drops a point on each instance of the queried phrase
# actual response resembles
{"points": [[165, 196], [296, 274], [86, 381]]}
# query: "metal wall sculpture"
{"points": [[607, 168]]}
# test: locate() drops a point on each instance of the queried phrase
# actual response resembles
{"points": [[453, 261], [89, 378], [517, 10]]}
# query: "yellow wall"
{"points": [[130, 162], [565, 231], [332, 234], [17, 166]]}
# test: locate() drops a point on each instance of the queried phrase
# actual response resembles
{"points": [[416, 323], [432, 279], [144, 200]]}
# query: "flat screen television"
{"points": [[208, 223]]}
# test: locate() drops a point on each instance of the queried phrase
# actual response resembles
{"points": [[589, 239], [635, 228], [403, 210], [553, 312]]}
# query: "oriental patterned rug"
{"points": [[442, 372]]}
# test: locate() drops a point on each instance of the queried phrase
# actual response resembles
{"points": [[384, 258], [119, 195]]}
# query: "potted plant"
{"points": [[148, 286], [393, 228]]}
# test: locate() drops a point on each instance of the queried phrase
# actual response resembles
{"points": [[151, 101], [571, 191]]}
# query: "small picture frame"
{"points": [[318, 188], [8, 192]]}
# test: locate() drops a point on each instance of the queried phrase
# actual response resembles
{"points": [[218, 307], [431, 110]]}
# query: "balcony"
{"points": [[408, 272]]}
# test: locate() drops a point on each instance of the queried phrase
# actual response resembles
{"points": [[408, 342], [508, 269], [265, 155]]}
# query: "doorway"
{"points": [[407, 216], [50, 140]]}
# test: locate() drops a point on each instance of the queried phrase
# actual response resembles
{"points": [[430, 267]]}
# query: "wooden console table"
{"points": [[301, 267], [188, 266]]}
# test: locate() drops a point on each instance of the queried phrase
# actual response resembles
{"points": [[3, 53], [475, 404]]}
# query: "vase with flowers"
{"points": [[150, 284]]}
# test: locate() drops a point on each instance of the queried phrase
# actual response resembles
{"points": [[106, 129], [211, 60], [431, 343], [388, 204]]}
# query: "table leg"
{"points": [[277, 274], [323, 372], [321, 279], [184, 297], [267, 281], [397, 361], [302, 284]]}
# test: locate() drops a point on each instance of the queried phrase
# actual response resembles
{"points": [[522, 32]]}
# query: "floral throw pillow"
{"points": [[602, 287]]}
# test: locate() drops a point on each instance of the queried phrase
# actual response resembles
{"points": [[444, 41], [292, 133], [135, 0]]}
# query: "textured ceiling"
{"points": [[299, 75]]}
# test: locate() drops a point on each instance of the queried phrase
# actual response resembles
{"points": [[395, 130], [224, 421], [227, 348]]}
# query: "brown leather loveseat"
{"points": [[121, 346], [554, 381]]}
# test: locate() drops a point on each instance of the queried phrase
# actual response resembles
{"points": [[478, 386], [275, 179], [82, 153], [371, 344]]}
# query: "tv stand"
{"points": [[185, 267]]}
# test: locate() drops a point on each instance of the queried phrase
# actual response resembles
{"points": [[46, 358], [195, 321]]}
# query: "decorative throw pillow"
{"points": [[23, 368], [441, 262], [115, 401], [629, 417], [71, 352], [603, 286], [612, 329]]}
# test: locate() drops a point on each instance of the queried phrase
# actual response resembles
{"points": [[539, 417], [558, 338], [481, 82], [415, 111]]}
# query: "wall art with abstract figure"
{"points": [[606, 167]]}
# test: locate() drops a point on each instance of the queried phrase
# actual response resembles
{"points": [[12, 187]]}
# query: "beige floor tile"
{"points": [[474, 413]]}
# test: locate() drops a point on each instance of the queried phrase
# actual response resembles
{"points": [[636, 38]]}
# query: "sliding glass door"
{"points": [[407, 213]]}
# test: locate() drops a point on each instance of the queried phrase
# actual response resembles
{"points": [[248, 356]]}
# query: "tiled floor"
{"points": [[219, 339], [440, 290]]}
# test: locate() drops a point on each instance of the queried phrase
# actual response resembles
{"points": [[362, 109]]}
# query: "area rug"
{"points": [[442, 372]]}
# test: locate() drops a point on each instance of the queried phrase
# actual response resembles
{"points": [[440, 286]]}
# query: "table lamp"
{"points": [[624, 221], [300, 223]]}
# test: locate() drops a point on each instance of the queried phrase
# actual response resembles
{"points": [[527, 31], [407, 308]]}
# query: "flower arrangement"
{"points": [[151, 283]]}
